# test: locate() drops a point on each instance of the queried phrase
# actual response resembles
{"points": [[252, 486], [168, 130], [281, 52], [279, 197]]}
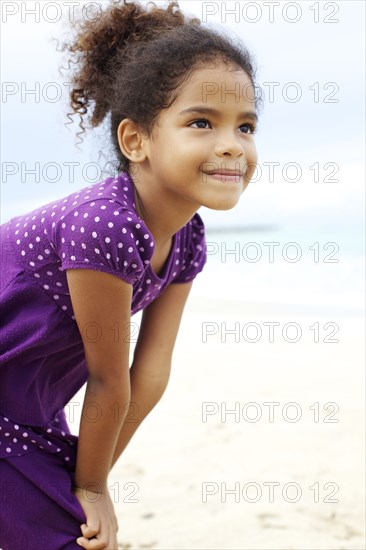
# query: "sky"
{"points": [[311, 130]]}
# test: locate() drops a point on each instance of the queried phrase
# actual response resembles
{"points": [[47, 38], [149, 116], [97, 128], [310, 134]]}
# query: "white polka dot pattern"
{"points": [[195, 254], [110, 241], [18, 439], [98, 228]]}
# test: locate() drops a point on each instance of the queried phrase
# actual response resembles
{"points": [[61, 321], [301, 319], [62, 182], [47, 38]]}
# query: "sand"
{"points": [[240, 480]]}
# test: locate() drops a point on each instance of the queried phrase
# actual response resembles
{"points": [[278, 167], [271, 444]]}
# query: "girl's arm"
{"points": [[101, 302], [152, 358]]}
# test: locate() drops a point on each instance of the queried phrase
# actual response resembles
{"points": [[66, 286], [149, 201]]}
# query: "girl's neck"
{"points": [[162, 224]]}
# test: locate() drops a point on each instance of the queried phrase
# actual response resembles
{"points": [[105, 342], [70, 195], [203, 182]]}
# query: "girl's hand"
{"points": [[100, 530]]}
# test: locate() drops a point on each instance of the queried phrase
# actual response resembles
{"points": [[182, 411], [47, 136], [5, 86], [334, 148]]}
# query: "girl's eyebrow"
{"points": [[207, 110]]}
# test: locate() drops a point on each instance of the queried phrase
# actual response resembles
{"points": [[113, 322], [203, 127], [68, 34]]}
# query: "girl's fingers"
{"points": [[89, 530], [93, 544], [81, 541], [103, 542]]}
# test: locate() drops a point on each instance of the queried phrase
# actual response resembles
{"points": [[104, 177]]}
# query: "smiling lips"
{"points": [[225, 174]]}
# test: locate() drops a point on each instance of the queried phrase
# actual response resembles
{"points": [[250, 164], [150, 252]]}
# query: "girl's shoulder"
{"points": [[95, 227], [100, 229]]}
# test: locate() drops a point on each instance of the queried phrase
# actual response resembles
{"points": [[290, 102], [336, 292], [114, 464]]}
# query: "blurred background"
{"points": [[291, 252]]}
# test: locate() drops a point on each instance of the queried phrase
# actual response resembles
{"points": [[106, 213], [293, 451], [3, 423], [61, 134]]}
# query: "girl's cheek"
{"points": [[252, 166], [252, 154]]}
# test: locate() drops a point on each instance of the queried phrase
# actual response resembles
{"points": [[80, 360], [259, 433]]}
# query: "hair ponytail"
{"points": [[131, 60], [99, 46]]}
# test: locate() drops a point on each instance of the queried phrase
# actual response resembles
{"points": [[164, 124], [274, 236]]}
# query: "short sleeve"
{"points": [[196, 254], [105, 236]]}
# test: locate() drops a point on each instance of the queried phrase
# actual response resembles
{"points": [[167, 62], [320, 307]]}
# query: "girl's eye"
{"points": [[200, 120], [250, 126], [204, 121]]}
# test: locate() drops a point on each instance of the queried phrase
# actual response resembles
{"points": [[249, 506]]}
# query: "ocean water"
{"points": [[320, 270]]}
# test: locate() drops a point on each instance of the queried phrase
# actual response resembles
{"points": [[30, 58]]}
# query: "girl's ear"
{"points": [[131, 141]]}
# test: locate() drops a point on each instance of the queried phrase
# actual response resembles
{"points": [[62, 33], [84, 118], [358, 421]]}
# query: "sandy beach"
{"points": [[284, 469]]}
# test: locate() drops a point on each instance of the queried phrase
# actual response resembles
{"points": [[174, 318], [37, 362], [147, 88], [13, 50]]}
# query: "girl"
{"points": [[183, 112]]}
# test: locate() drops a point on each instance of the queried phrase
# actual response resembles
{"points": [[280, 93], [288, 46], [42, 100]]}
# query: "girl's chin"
{"points": [[222, 205]]}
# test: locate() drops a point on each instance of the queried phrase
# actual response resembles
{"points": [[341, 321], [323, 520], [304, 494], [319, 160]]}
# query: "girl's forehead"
{"points": [[217, 83]]}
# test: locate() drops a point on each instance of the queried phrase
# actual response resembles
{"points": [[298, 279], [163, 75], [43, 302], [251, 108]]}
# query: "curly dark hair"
{"points": [[131, 62]]}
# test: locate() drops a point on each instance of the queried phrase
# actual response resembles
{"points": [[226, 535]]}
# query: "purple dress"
{"points": [[42, 362]]}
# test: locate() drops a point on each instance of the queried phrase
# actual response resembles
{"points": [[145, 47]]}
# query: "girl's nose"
{"points": [[229, 147]]}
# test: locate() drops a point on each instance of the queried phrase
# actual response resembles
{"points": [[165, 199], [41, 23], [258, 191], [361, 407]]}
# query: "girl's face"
{"points": [[208, 129]]}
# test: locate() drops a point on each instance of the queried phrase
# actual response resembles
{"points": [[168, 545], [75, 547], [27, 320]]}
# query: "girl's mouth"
{"points": [[225, 175]]}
